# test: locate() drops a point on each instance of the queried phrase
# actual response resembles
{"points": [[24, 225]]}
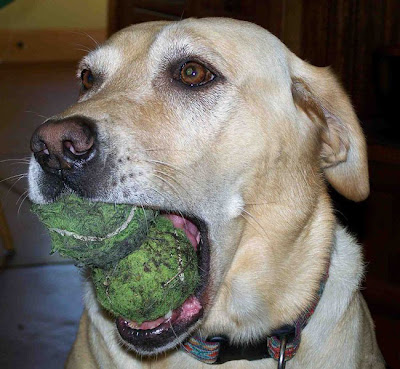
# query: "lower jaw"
{"points": [[167, 333], [163, 336]]}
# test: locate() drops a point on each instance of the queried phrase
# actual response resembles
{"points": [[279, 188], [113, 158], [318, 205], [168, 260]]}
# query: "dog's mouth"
{"points": [[151, 337]]}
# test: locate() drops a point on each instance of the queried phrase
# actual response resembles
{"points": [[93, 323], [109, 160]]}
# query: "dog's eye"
{"points": [[194, 74], [87, 79]]}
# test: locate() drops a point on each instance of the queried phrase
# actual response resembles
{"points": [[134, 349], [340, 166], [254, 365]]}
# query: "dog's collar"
{"points": [[281, 345]]}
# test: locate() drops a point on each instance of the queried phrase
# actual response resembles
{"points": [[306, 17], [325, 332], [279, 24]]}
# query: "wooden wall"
{"points": [[345, 34], [348, 35]]}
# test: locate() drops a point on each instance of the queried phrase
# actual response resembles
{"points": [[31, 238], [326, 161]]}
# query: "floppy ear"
{"points": [[343, 149]]}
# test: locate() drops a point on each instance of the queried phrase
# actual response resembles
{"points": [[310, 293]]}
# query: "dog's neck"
{"points": [[300, 262], [277, 269], [300, 251], [282, 344]]}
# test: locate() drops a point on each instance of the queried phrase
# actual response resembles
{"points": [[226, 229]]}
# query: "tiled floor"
{"points": [[40, 294], [40, 307]]}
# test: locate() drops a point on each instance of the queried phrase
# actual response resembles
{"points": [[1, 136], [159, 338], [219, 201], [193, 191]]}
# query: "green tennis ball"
{"points": [[154, 279], [94, 234], [142, 266]]}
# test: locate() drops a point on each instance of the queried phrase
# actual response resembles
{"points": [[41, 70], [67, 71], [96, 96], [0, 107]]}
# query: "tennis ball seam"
{"points": [[120, 229]]}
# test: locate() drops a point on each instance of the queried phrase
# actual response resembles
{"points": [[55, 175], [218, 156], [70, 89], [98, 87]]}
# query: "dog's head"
{"points": [[217, 122]]}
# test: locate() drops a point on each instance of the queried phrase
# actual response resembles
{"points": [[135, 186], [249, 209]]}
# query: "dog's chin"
{"points": [[164, 333]]}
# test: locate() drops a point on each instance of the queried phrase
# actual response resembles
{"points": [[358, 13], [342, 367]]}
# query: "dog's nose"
{"points": [[61, 144]]}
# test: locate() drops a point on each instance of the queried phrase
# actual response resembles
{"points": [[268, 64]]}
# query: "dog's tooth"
{"points": [[168, 315], [132, 324], [198, 238]]}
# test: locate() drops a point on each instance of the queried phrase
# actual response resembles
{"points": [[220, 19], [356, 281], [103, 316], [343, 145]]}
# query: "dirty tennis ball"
{"points": [[94, 234], [151, 281], [142, 266]]}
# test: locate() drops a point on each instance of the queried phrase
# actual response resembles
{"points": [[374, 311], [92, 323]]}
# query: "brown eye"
{"points": [[87, 79], [195, 74]]}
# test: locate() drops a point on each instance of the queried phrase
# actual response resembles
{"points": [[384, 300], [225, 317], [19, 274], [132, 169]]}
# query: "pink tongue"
{"points": [[192, 233], [147, 325], [190, 308]]}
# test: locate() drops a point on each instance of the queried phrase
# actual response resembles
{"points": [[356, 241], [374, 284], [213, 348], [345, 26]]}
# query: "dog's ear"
{"points": [[343, 148]]}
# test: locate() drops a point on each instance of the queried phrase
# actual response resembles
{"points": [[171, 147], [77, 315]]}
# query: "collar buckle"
{"points": [[282, 352]]}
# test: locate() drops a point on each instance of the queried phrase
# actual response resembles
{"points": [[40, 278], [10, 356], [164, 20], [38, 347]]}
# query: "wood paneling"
{"points": [[47, 45], [123, 13], [346, 34]]}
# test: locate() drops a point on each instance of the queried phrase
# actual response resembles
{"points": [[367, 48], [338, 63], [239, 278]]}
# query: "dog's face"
{"points": [[218, 123]]}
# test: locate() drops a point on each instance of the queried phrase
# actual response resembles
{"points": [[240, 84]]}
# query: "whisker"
{"points": [[20, 205], [171, 177], [19, 163], [25, 159], [192, 178], [15, 176], [82, 47], [168, 199], [182, 14], [89, 36], [112, 273], [254, 219], [337, 211], [180, 343], [15, 182], [161, 194], [164, 149], [164, 163], [170, 185], [84, 50], [37, 114], [174, 189], [19, 198]]}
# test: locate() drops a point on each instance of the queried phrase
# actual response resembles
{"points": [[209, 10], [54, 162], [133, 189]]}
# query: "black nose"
{"points": [[64, 144]]}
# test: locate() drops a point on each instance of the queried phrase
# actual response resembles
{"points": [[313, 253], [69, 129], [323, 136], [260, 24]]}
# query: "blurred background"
{"points": [[40, 44]]}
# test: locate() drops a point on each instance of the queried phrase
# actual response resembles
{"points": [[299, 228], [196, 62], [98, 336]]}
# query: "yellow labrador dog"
{"points": [[218, 123]]}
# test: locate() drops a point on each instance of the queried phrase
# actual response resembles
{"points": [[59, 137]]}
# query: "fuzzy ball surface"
{"points": [[94, 234], [154, 279], [141, 265]]}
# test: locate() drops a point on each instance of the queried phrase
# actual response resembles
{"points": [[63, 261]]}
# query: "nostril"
{"points": [[64, 143], [78, 147], [45, 150], [38, 145], [69, 146], [42, 148]]}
